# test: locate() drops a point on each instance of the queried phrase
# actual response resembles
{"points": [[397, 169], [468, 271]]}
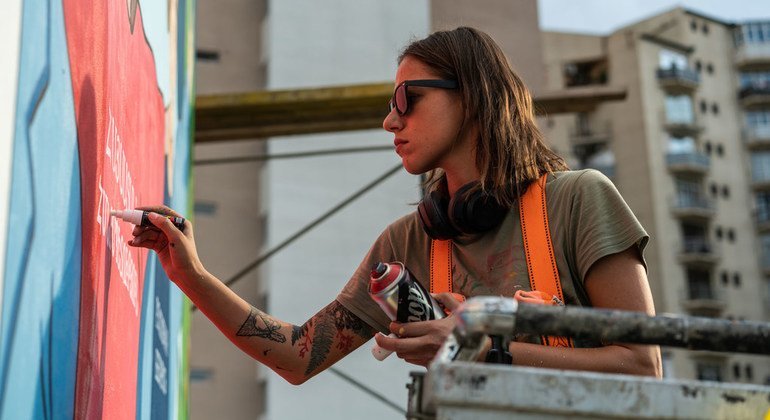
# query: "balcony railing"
{"points": [[688, 162], [698, 251], [754, 95], [757, 137], [765, 261], [676, 80], [693, 207], [762, 219], [702, 299], [753, 55], [760, 179], [593, 133], [681, 127]]}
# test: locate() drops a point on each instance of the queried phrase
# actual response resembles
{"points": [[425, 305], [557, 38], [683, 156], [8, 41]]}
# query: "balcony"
{"points": [[702, 299], [587, 134], [680, 127], [765, 262], [762, 220], [695, 163], [757, 137], [698, 251], [754, 95], [677, 81], [760, 180], [688, 207], [753, 56]]}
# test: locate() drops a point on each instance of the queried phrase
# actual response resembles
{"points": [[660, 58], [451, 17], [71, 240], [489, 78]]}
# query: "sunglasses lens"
{"points": [[400, 98]]}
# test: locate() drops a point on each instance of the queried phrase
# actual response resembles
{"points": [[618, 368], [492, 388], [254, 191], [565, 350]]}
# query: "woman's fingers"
{"points": [[160, 210], [147, 234]]}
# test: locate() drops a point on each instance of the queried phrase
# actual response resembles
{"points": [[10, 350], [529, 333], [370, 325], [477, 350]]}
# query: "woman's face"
{"points": [[429, 136]]}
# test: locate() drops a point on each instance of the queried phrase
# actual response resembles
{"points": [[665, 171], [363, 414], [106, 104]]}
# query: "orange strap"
{"points": [[538, 248], [441, 266], [543, 273]]}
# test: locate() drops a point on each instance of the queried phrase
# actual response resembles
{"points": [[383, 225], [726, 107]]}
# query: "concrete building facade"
{"points": [[687, 149]]}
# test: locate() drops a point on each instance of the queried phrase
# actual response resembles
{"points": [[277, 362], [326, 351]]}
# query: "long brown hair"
{"points": [[510, 151]]}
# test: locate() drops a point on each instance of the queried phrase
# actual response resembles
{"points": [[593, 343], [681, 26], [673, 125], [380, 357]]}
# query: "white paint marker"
{"points": [[140, 218]]}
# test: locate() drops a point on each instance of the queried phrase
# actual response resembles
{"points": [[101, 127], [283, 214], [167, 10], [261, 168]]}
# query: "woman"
{"points": [[460, 114]]}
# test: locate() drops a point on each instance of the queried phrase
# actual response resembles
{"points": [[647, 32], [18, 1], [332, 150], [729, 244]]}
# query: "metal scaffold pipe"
{"points": [[502, 316]]}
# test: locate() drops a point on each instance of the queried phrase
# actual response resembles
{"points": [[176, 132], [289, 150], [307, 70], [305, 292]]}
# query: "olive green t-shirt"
{"points": [[588, 220]]}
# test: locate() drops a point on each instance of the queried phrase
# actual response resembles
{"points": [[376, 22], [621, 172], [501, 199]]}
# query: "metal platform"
{"points": [[454, 388], [475, 391]]}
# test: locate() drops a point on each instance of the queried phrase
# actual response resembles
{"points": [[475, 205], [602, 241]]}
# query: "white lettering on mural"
{"points": [[161, 375], [160, 325], [117, 156], [109, 227]]}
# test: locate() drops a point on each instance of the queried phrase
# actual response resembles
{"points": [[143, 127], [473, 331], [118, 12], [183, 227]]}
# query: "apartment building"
{"points": [[689, 149]]}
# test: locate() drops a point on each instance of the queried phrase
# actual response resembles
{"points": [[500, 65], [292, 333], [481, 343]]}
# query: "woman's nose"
{"points": [[392, 121]]}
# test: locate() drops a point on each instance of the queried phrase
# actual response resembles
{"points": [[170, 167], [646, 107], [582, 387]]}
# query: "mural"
{"points": [[101, 119]]}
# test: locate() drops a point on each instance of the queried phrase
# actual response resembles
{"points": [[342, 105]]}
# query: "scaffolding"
{"points": [[455, 388]]}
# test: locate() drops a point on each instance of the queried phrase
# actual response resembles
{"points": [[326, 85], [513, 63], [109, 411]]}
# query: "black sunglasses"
{"points": [[400, 98]]}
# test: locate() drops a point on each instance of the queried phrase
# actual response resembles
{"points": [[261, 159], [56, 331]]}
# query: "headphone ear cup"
{"points": [[472, 211], [433, 216]]}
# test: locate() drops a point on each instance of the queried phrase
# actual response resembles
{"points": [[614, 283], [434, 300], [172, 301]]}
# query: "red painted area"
{"points": [[120, 121]]}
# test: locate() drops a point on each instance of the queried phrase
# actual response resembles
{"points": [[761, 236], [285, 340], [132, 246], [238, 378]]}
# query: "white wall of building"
{"points": [[327, 43]]}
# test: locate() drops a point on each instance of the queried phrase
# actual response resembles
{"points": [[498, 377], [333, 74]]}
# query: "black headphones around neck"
{"points": [[470, 211]]}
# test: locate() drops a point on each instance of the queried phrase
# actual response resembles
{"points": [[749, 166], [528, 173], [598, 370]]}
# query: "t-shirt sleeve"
{"points": [[603, 223], [355, 295]]}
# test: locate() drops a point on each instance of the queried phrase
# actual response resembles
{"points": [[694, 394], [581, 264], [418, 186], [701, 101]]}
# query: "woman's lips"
{"points": [[399, 143]]}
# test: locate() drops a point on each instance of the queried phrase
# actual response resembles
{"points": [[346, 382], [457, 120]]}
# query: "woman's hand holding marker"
{"points": [[175, 247]]}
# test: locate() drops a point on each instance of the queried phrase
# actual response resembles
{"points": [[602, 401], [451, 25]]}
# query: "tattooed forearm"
{"points": [[259, 324], [346, 320], [333, 321], [323, 336], [299, 332]]}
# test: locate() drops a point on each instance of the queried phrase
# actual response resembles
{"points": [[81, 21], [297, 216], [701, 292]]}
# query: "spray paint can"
{"points": [[401, 297]]}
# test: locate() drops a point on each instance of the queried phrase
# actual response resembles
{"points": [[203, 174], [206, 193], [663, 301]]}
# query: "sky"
{"points": [[604, 16]]}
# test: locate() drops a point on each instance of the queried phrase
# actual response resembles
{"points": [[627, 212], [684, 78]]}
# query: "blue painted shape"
{"points": [[42, 276], [144, 378], [156, 31]]}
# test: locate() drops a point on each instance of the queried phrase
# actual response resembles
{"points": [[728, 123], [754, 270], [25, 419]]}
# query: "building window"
{"points": [[764, 241], [731, 235], [737, 280], [698, 66], [757, 32], [760, 166], [681, 145], [758, 123], [725, 192], [710, 68], [749, 373], [679, 109], [755, 79], [668, 59], [715, 108], [762, 200], [704, 107], [707, 147], [699, 284], [708, 371], [725, 278], [714, 190], [720, 150], [207, 55], [585, 73], [736, 370], [719, 232], [693, 25], [705, 29]]}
